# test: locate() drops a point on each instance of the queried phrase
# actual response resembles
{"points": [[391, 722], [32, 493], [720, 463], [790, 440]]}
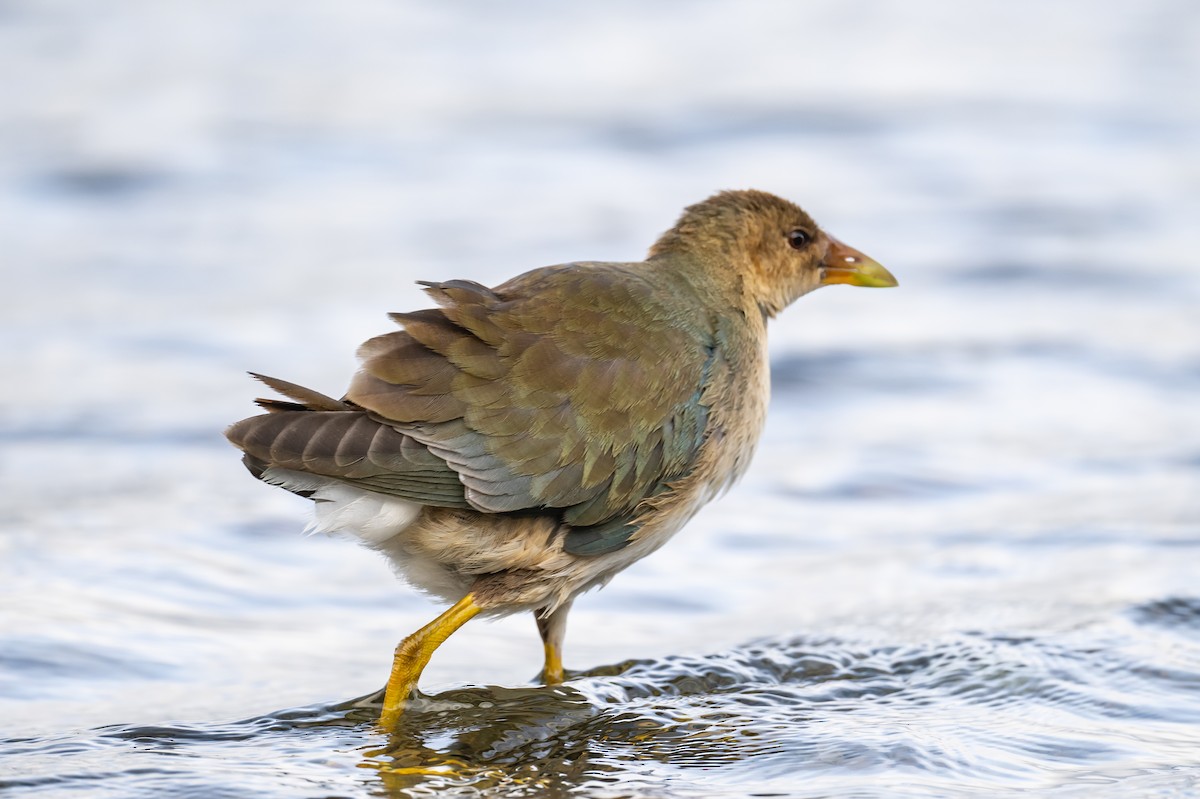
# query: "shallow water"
{"points": [[965, 562], [955, 715]]}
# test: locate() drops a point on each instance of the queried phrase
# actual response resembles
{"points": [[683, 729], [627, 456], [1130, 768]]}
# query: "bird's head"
{"points": [[766, 249]]}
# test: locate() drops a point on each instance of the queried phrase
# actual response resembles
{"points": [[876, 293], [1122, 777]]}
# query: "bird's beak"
{"points": [[844, 264]]}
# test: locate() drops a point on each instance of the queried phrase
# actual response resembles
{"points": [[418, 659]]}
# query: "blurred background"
{"points": [[1004, 449]]}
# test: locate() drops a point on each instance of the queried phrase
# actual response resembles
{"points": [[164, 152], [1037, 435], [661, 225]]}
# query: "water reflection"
{"points": [[969, 705]]}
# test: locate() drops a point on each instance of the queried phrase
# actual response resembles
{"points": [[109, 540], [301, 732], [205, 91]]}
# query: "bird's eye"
{"points": [[799, 239]]}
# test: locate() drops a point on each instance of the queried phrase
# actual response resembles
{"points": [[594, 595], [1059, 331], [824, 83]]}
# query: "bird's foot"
{"points": [[413, 653]]}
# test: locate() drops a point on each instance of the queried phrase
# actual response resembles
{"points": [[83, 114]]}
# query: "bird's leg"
{"points": [[553, 628], [413, 653]]}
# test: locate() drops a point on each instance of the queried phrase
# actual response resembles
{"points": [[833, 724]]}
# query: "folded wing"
{"points": [[574, 389]]}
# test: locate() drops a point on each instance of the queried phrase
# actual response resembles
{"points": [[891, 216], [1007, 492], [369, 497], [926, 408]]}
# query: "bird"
{"points": [[515, 446]]}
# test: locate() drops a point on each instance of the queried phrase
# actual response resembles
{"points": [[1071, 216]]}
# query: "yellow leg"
{"points": [[552, 674], [553, 629], [413, 653]]}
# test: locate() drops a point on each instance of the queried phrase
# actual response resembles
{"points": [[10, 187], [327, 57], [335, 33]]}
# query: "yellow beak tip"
{"points": [[883, 279], [866, 273]]}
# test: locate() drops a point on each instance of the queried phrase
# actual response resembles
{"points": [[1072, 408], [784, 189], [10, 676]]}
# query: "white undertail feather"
{"points": [[376, 520], [340, 508]]}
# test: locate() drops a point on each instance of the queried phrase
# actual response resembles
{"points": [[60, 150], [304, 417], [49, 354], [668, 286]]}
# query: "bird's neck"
{"points": [[715, 281]]}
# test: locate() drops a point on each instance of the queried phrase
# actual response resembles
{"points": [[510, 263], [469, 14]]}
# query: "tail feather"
{"points": [[307, 398], [276, 406], [330, 439]]}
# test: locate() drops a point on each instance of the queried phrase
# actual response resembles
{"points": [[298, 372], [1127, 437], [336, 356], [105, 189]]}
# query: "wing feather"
{"points": [[567, 388], [574, 389]]}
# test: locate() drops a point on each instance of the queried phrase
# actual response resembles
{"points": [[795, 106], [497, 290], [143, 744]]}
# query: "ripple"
{"points": [[54, 661], [1181, 614], [965, 706], [952, 714]]}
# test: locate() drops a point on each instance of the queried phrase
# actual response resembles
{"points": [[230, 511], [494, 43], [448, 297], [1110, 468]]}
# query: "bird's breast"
{"points": [[736, 396], [738, 412]]}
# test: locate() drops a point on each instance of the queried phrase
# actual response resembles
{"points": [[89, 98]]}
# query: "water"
{"points": [[965, 560]]}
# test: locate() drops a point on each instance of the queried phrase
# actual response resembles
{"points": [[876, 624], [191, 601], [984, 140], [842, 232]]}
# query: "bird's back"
{"points": [[579, 391]]}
